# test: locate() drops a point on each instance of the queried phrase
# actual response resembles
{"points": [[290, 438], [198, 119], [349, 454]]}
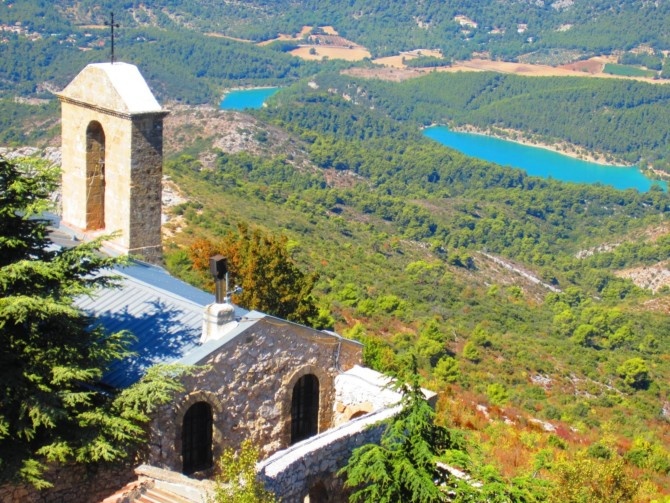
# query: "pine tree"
{"points": [[260, 263], [402, 467], [52, 409]]}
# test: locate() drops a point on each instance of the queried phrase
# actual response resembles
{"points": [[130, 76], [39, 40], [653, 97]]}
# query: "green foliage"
{"points": [[402, 467], [585, 479], [447, 369], [426, 62], [491, 487], [646, 454], [236, 477], [599, 451], [470, 352], [634, 373], [51, 356], [650, 61], [497, 393], [271, 282], [18, 120]]}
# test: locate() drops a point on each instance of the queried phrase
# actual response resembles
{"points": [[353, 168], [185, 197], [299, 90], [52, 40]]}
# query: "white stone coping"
{"points": [[281, 460], [361, 385], [131, 86]]}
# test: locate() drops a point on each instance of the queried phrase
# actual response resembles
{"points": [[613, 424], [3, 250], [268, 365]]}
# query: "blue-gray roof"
{"points": [[164, 315]]}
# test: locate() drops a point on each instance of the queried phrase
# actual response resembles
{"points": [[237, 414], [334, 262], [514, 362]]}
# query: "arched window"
{"points": [[305, 408], [95, 176], [196, 438]]}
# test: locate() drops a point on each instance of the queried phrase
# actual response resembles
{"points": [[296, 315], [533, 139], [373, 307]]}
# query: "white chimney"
{"points": [[219, 317], [217, 320]]}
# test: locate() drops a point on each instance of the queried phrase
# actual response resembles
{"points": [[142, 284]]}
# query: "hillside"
{"points": [[190, 51], [520, 332], [538, 310], [505, 29]]}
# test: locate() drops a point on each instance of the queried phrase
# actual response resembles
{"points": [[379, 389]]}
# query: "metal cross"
{"points": [[112, 26]]}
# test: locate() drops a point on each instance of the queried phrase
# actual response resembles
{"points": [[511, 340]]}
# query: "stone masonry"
{"points": [[248, 382], [112, 155], [310, 467]]}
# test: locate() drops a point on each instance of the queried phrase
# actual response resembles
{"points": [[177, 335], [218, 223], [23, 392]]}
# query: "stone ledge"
{"points": [[198, 491]]}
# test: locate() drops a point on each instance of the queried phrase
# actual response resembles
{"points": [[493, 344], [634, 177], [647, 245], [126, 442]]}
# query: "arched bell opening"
{"points": [[95, 176]]}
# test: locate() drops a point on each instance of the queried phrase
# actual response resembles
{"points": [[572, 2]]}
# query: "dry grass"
{"points": [[349, 54], [589, 68]]}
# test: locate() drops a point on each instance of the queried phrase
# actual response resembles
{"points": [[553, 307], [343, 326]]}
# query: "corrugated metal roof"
{"points": [[164, 314]]}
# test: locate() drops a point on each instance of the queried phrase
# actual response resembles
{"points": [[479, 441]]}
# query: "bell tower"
{"points": [[112, 158]]}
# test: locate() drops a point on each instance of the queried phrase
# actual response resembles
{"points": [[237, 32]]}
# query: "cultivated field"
{"points": [[318, 52], [327, 43]]}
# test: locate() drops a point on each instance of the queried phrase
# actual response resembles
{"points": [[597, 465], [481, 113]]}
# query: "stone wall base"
{"points": [[71, 483]]}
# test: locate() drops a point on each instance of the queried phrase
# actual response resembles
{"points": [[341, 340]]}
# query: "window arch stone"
{"points": [[325, 399], [180, 413]]}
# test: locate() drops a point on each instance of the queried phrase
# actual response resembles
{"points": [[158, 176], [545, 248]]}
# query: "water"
{"points": [[541, 162], [247, 98]]}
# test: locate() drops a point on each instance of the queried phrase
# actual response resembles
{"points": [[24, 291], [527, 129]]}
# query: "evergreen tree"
{"points": [[271, 282], [402, 467], [52, 357]]}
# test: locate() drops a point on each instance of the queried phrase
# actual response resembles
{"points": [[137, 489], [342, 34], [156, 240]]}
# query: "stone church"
{"points": [[300, 394]]}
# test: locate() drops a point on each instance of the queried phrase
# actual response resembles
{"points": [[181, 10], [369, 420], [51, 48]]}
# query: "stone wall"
{"points": [[71, 483], [112, 180], [146, 167], [309, 468], [249, 383]]}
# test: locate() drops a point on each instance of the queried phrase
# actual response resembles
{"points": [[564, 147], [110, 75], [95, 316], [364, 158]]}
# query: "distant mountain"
{"points": [[190, 50], [505, 28]]}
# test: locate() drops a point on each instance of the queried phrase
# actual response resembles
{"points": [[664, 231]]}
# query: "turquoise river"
{"points": [[537, 161]]}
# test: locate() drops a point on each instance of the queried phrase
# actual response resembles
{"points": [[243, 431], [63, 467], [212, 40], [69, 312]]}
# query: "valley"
{"points": [[538, 310]]}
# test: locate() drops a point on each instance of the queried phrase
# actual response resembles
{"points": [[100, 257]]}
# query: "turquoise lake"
{"points": [[247, 98], [535, 161], [538, 161]]}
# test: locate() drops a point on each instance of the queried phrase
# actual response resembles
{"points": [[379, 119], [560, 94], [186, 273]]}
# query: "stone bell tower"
{"points": [[112, 157]]}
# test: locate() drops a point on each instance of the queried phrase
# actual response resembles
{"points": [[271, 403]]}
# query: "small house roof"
{"points": [[118, 87], [164, 315]]}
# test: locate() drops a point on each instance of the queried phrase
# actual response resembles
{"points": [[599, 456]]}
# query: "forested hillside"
{"points": [[179, 42], [505, 28], [627, 120], [408, 238], [512, 290], [179, 65]]}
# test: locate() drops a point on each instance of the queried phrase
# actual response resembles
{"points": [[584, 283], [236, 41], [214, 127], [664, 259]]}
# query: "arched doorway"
{"points": [[305, 408], [95, 176], [196, 438], [317, 494]]}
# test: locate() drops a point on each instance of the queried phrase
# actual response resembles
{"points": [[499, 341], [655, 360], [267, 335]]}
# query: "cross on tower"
{"points": [[112, 25]]}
